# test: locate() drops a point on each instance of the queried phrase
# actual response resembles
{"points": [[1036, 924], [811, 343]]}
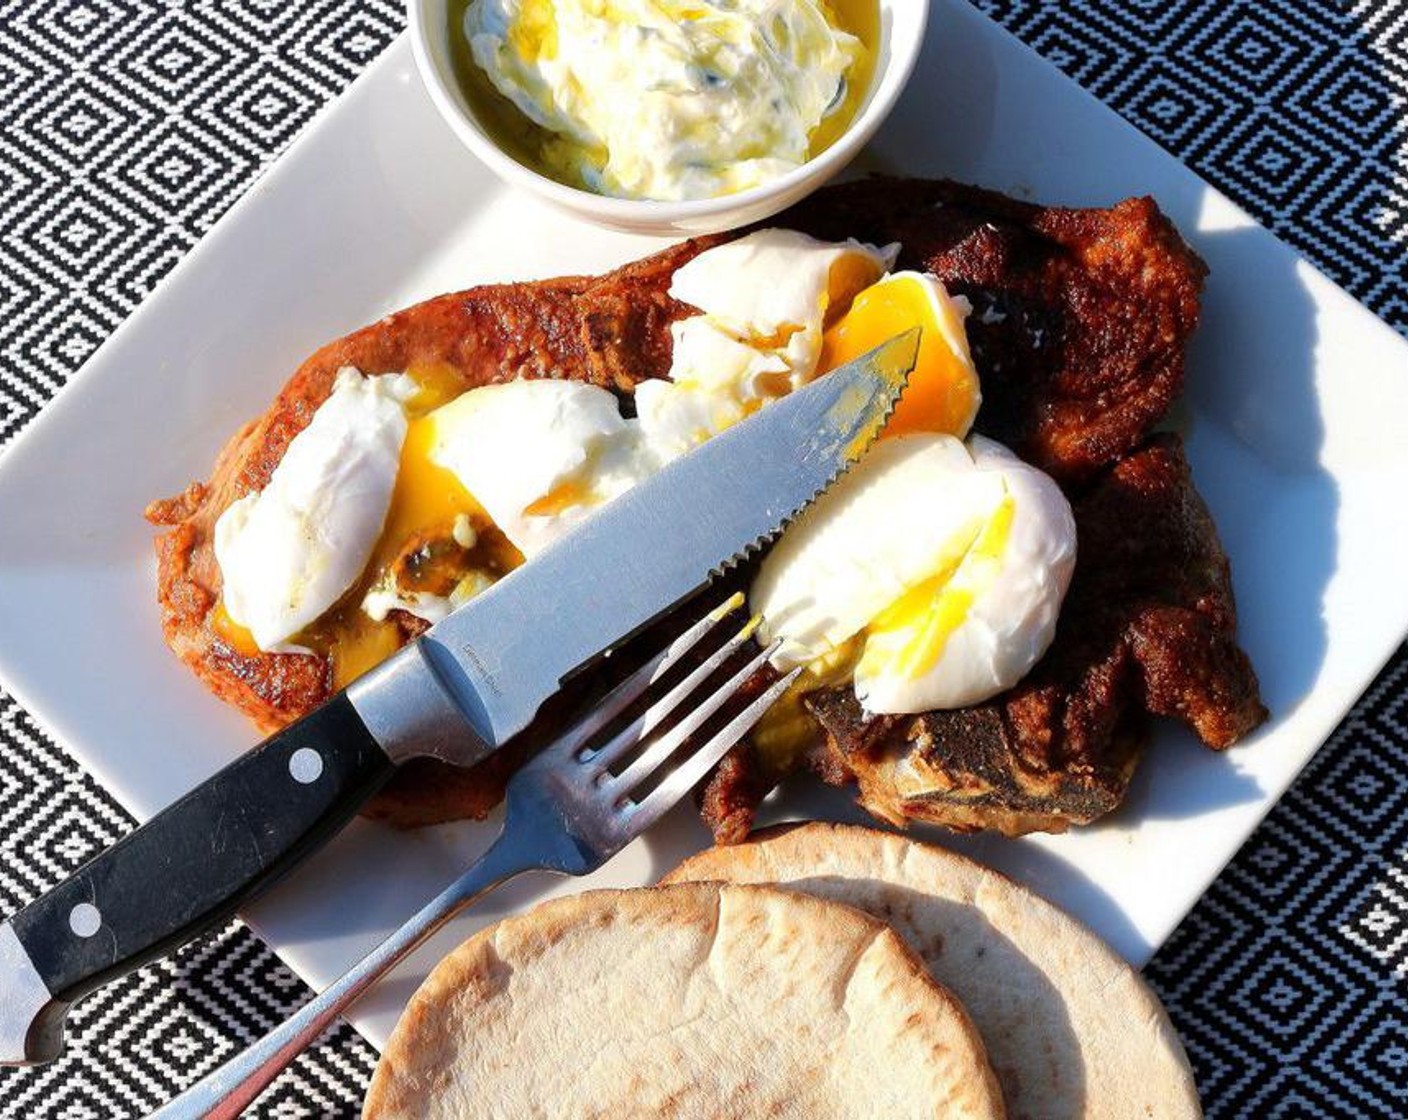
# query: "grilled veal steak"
{"points": [[1079, 326], [1080, 317]]}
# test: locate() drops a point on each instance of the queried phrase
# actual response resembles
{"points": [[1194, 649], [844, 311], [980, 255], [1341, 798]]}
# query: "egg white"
{"points": [[290, 551], [1016, 602], [880, 529], [764, 300], [908, 513], [515, 444]]}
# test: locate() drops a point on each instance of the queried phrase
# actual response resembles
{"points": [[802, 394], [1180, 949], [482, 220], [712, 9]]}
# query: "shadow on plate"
{"points": [[1255, 439], [804, 798]]}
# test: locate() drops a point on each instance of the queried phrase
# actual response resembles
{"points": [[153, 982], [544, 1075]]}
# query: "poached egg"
{"points": [[934, 567], [538, 456], [290, 551], [764, 302]]}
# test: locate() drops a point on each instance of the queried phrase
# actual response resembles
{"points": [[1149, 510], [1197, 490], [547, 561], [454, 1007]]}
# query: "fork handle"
{"points": [[229, 1090]]}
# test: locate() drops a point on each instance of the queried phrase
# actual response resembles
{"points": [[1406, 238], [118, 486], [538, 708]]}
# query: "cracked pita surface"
{"points": [[1069, 1027], [698, 1000]]}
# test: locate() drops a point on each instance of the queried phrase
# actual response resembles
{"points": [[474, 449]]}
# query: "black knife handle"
{"points": [[186, 870]]}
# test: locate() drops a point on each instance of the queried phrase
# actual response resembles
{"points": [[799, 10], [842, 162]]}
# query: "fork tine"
{"points": [[634, 686], [650, 719], [687, 775], [660, 750]]}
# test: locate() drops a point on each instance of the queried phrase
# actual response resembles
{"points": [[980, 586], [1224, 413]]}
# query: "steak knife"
{"points": [[460, 691]]}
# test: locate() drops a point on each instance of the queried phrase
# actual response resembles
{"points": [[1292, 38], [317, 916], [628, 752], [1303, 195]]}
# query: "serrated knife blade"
{"points": [[501, 655]]}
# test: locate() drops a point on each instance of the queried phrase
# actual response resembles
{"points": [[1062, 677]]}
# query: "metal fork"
{"points": [[567, 812]]}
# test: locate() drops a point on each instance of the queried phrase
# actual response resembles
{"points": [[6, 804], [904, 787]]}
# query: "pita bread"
{"points": [[689, 1001], [1070, 1029]]}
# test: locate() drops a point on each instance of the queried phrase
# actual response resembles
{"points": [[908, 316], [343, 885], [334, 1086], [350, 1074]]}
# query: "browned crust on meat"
{"points": [[1080, 316], [1095, 307]]}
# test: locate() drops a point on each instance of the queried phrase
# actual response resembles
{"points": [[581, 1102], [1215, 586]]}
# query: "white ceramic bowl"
{"points": [[901, 35]]}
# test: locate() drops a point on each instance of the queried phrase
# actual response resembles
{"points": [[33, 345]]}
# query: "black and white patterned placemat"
{"points": [[128, 126]]}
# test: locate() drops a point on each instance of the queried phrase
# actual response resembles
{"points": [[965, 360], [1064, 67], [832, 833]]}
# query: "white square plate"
{"points": [[1293, 417]]}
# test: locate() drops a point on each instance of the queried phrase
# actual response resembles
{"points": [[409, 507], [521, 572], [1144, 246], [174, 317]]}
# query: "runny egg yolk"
{"points": [[237, 637], [424, 506], [559, 498], [943, 394], [427, 496], [909, 636], [787, 727]]}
